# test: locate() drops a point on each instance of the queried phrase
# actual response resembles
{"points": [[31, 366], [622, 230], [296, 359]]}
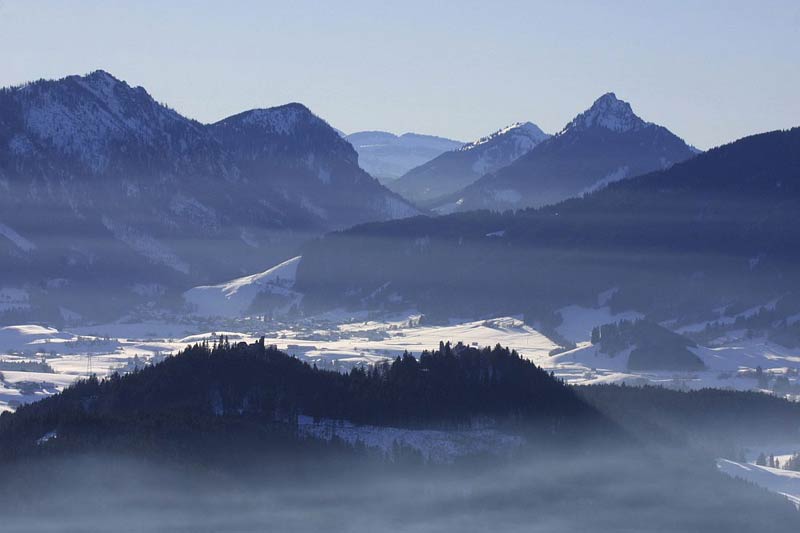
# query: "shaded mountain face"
{"points": [[388, 156], [718, 230], [606, 143], [307, 164], [428, 183], [104, 188]]}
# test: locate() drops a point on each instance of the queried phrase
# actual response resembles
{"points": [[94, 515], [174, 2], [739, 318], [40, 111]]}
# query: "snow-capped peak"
{"points": [[109, 89], [281, 120], [607, 112], [85, 116], [524, 129]]}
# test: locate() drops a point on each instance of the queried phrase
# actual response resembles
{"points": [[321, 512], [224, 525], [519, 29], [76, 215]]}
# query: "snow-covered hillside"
{"points": [[234, 298]]}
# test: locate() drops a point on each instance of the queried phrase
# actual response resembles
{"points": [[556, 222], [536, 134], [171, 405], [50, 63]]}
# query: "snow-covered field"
{"points": [[341, 340]]}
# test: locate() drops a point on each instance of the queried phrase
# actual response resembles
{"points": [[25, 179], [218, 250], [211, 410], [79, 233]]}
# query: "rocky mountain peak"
{"points": [[607, 112]]}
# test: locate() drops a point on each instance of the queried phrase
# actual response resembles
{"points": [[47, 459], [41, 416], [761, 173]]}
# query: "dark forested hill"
{"points": [[196, 389], [724, 420], [721, 228]]}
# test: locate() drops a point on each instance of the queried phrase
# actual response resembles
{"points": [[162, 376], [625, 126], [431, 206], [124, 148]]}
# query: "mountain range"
{"points": [[716, 232], [112, 201], [106, 191], [455, 169], [387, 156], [605, 143]]}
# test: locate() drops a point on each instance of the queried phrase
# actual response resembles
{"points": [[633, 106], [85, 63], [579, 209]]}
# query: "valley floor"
{"points": [[339, 341]]}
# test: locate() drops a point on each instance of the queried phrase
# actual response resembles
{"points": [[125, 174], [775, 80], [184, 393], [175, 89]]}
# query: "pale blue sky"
{"points": [[711, 71]]}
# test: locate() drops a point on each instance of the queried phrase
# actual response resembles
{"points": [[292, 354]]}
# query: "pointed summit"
{"points": [[607, 112], [605, 143]]}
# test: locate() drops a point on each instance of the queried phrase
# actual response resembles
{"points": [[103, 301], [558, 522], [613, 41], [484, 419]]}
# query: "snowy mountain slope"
{"points": [[456, 169], [605, 143], [388, 156], [235, 297], [136, 194]]}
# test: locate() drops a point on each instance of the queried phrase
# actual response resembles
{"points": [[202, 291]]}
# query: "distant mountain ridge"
{"points": [[456, 169], [387, 156], [116, 193], [605, 143], [717, 231]]}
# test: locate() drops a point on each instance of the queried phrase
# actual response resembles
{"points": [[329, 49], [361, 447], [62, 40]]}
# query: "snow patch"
{"points": [[50, 435], [436, 446], [521, 130], [508, 196], [615, 175], [29, 337], [18, 240]]}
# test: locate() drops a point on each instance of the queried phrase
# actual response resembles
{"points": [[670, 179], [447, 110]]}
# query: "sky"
{"points": [[711, 71]]}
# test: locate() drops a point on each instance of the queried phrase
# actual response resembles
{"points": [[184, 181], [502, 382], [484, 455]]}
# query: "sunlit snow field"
{"points": [[339, 341]]}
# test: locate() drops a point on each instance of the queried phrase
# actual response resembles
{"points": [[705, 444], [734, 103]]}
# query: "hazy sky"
{"points": [[711, 71]]}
